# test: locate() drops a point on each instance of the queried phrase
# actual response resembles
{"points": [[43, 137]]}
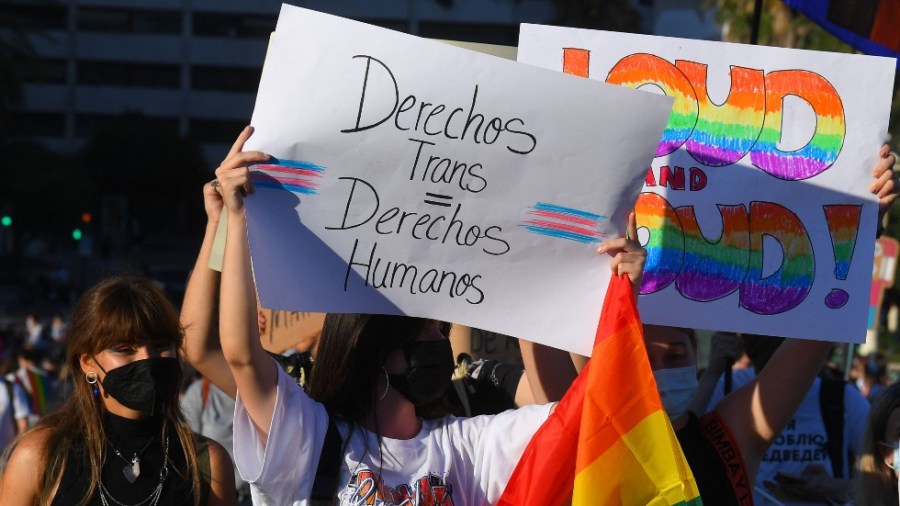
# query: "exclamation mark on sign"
{"points": [[843, 225]]}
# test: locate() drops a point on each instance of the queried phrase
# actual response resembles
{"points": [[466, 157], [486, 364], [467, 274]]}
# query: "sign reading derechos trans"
{"points": [[412, 177]]}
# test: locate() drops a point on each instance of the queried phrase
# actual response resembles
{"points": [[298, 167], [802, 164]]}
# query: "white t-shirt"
{"points": [[803, 440], [469, 459]]}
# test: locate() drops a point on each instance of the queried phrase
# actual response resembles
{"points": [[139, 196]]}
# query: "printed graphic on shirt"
{"points": [[366, 488], [799, 443]]}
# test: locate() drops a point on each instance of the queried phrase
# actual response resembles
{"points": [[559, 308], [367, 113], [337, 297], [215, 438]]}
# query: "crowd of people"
{"points": [[379, 410]]}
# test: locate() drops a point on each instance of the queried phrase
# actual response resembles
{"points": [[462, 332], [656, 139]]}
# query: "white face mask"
{"points": [[677, 388]]}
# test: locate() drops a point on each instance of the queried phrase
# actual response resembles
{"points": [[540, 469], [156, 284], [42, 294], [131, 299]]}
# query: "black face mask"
{"points": [[143, 385], [429, 373]]}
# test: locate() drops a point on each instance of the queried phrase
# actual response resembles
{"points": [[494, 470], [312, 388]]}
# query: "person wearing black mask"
{"points": [[120, 437]]}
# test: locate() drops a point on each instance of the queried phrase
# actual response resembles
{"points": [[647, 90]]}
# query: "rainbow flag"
{"points": [[608, 441], [37, 388]]}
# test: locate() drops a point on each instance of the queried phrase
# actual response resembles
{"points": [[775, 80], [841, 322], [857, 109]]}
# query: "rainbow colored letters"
{"points": [[755, 211]]}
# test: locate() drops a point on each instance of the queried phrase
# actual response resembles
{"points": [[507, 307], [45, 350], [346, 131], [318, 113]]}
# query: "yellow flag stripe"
{"points": [[650, 467]]}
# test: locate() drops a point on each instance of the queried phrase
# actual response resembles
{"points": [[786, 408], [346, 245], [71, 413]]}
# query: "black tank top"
{"points": [[129, 436]]}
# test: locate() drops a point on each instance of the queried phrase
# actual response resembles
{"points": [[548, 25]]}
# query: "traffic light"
{"points": [[6, 220], [76, 234], [86, 217]]}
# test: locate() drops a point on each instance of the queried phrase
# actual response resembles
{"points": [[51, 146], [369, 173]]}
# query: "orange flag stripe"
{"points": [[624, 399], [609, 440]]}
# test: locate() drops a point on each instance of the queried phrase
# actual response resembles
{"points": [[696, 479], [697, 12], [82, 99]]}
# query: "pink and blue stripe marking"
{"points": [[296, 176], [564, 223]]}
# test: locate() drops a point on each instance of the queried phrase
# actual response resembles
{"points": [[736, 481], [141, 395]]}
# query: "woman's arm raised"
{"points": [[773, 397], [201, 301], [253, 371], [757, 412], [551, 371]]}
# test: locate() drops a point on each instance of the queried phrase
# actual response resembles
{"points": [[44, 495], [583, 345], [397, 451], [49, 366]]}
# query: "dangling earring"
{"points": [[387, 384], [91, 378]]}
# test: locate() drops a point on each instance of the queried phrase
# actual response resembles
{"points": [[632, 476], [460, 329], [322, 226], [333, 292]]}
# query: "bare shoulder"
{"points": [[217, 452], [219, 460], [222, 491], [19, 483], [30, 448]]}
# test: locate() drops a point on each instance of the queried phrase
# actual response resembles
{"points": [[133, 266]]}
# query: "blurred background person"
{"points": [[878, 466]]}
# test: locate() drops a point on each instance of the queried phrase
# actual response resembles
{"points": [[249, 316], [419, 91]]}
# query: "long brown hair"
{"points": [[876, 483], [117, 310]]}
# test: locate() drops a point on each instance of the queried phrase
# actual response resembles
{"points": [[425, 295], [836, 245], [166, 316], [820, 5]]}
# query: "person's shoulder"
{"points": [[505, 420], [21, 477], [217, 452], [30, 449]]}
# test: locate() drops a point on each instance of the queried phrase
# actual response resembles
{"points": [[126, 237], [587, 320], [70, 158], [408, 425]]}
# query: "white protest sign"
{"points": [[756, 212], [413, 177]]}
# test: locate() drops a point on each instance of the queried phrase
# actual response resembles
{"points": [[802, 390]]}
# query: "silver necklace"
{"points": [[132, 467], [153, 498]]}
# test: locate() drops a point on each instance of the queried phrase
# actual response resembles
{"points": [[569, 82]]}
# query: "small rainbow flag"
{"points": [[605, 444], [296, 176], [37, 387], [564, 222]]}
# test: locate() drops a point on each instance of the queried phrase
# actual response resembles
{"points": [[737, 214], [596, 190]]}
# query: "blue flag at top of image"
{"points": [[868, 25]]}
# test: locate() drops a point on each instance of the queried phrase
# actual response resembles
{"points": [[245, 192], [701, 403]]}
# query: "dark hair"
{"points": [[350, 360], [689, 332], [30, 354], [875, 483], [760, 348], [116, 310]]}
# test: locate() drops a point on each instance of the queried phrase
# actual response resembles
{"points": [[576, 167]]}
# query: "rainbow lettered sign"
{"points": [[755, 212], [412, 177]]}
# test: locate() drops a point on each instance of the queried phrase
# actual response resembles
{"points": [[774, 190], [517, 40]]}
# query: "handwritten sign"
{"points": [[755, 212], [291, 329], [413, 177]]}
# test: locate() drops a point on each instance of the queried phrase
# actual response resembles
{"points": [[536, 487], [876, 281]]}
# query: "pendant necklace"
{"points": [[155, 494], [132, 467]]}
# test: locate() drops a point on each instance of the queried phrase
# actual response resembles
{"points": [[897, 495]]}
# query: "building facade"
{"points": [[194, 65]]}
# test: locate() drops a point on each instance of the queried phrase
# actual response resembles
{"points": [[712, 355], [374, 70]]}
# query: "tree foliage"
{"points": [[781, 26]]}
